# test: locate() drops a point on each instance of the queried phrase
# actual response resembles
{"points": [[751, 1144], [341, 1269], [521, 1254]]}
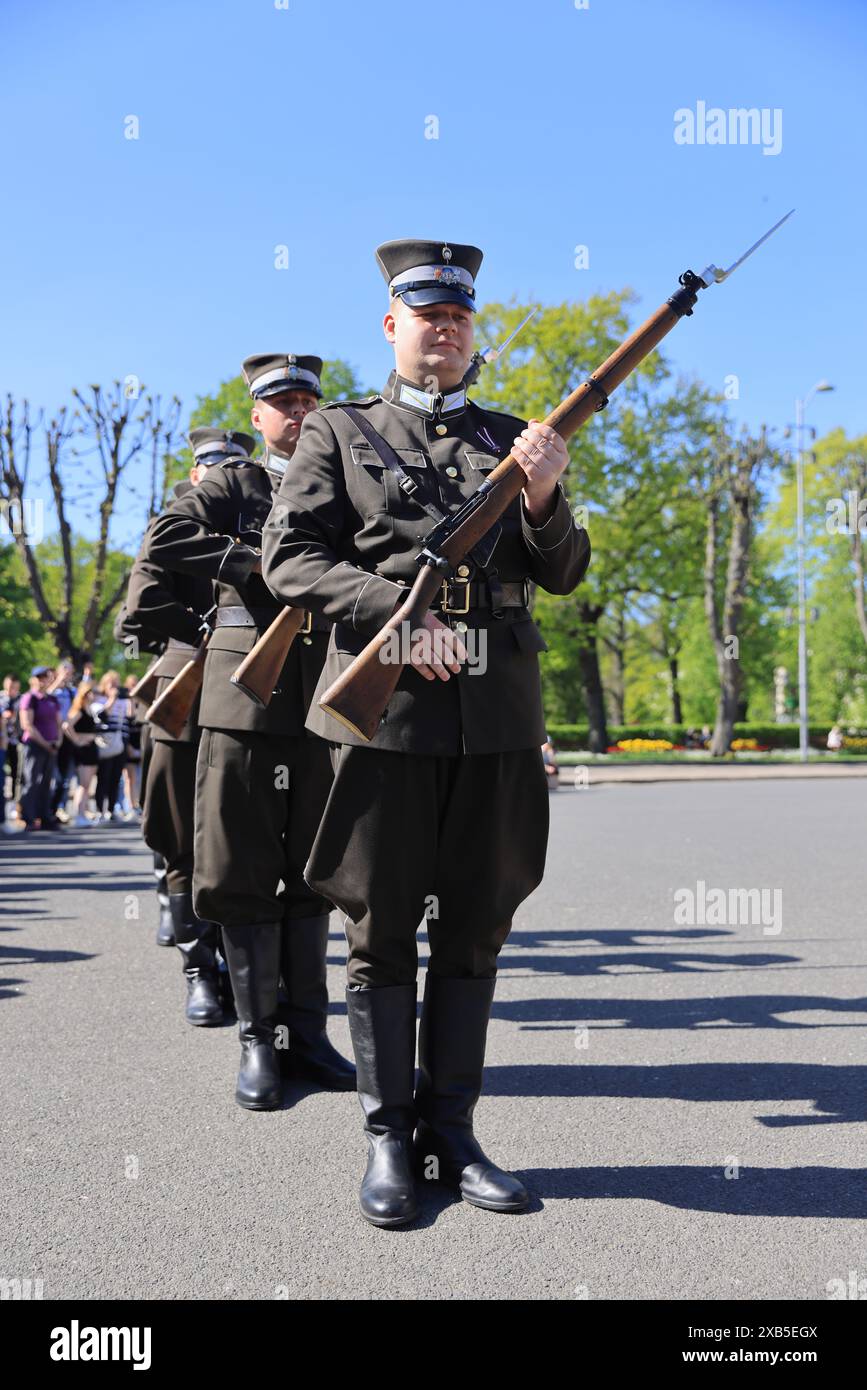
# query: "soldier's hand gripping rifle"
{"points": [[171, 710], [359, 696]]}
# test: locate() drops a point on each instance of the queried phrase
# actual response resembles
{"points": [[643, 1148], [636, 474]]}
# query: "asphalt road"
{"points": [[686, 1099]]}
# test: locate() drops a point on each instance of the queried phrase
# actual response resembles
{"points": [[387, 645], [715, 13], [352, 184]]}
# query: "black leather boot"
{"points": [[253, 957], [224, 979], [310, 1055], [165, 930], [451, 1057], [382, 1024], [197, 942]]}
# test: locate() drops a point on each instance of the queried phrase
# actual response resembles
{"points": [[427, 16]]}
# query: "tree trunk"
{"points": [[591, 678], [616, 644], [735, 470], [676, 708], [726, 710]]}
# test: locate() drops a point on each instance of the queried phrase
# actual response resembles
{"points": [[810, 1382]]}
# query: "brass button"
{"points": [[451, 472], [308, 641], [463, 571], [460, 627], [442, 429]]}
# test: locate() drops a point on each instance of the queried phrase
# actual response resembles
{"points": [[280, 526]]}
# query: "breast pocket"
{"points": [[480, 463], [377, 488], [249, 525]]}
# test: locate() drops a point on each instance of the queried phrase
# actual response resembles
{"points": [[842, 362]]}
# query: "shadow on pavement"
{"points": [[840, 1193], [837, 1094], [739, 1011]]}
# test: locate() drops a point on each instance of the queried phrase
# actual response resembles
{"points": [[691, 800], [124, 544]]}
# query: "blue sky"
{"points": [[305, 126]]}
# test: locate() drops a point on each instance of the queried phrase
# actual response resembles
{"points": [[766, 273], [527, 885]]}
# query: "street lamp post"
{"points": [[803, 719]]}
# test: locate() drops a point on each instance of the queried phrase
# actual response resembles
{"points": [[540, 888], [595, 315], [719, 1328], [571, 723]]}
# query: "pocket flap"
{"points": [[365, 457], [528, 637], [483, 462]]}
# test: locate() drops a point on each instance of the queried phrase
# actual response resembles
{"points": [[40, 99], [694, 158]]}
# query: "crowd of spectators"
{"points": [[70, 750]]}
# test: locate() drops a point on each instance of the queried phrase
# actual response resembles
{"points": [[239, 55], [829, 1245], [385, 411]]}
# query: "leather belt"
{"points": [[462, 595], [237, 616]]}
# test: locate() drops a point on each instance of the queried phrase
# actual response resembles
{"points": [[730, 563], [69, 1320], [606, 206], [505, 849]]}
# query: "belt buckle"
{"points": [[307, 625], [445, 603]]}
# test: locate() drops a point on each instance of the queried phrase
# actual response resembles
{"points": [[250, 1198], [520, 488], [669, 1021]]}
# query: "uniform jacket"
{"points": [[214, 532], [343, 538], [167, 608]]}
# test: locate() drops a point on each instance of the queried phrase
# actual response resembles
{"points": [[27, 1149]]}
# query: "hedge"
{"points": [[575, 737]]}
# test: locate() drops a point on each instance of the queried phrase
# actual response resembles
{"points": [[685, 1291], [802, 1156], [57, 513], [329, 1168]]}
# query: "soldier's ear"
{"points": [[255, 418], [389, 322]]}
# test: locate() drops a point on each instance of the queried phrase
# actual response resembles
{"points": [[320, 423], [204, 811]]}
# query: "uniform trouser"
{"points": [[458, 841], [147, 748], [259, 799], [169, 807]]}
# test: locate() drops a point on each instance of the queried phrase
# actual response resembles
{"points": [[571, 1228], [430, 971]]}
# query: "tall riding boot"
{"points": [[382, 1025], [165, 930], [224, 979], [197, 942], [303, 947], [451, 1056], [253, 957]]}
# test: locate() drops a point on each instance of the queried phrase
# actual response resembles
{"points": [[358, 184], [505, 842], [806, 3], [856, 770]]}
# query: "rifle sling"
{"points": [[481, 553]]}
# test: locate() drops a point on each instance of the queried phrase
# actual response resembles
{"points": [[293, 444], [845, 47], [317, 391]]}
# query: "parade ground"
{"points": [[686, 1102]]}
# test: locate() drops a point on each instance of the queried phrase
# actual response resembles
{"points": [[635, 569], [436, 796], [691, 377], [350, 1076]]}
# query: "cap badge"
{"points": [[446, 275], [447, 253]]}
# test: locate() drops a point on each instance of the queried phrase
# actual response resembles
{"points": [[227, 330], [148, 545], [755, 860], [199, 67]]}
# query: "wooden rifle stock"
{"points": [[171, 710], [260, 670], [146, 688], [360, 694]]}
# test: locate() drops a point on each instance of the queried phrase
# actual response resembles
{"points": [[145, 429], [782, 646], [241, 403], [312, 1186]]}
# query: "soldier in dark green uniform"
{"points": [[171, 607], [261, 781], [444, 814]]}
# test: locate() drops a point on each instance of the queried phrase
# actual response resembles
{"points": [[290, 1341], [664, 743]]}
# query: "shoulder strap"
{"points": [[391, 461], [482, 551]]}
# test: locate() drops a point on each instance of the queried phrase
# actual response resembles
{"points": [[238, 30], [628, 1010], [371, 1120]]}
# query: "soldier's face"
{"points": [[432, 344], [279, 418]]}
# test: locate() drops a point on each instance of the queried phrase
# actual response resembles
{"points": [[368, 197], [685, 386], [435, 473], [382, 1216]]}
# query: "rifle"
{"points": [[171, 710], [146, 688], [360, 694], [258, 672]]}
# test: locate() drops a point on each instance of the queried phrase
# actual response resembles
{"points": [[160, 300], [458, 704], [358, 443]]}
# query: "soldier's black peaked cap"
{"points": [[211, 446], [270, 373], [430, 272]]}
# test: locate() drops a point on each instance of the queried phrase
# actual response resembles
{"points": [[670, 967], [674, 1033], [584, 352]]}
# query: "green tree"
{"points": [[630, 479], [835, 520], [93, 457], [20, 629]]}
